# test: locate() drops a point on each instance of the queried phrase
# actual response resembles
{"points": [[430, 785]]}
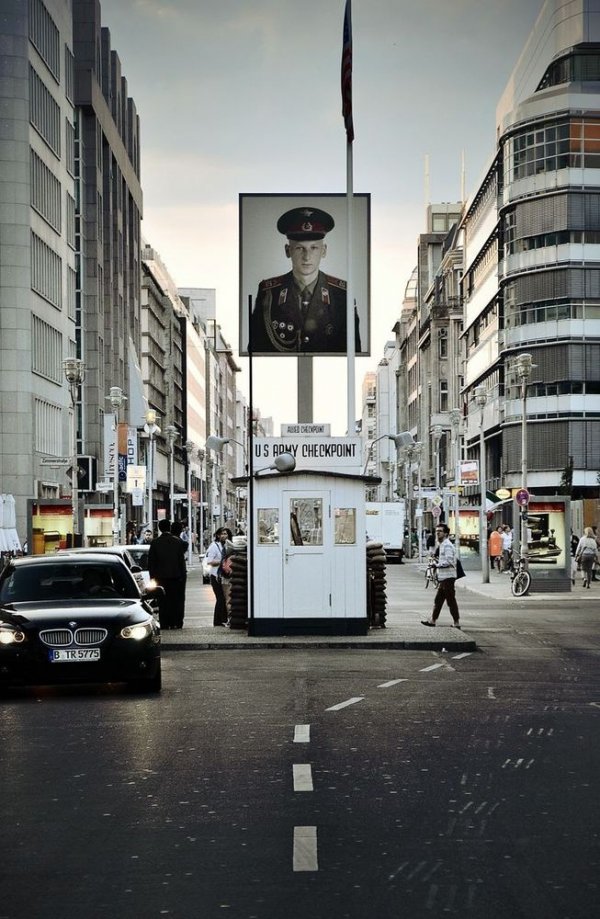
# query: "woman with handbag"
{"points": [[587, 555]]}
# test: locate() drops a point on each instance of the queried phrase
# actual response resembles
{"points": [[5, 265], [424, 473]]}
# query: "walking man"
{"points": [[446, 572]]}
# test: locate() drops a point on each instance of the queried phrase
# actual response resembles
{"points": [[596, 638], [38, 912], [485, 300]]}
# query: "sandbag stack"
{"points": [[376, 582], [238, 618]]}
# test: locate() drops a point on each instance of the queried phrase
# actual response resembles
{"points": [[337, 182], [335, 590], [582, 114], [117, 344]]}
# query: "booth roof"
{"points": [[315, 473]]}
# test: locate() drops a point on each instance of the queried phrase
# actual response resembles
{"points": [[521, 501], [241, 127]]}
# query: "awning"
{"points": [[9, 539]]}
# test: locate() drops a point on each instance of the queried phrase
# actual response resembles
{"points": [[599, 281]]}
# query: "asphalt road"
{"points": [[315, 783]]}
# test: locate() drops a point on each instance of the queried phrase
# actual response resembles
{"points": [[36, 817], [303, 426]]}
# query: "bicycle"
{"points": [[520, 578], [431, 575]]}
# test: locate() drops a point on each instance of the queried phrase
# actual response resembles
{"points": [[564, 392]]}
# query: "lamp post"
{"points": [[74, 370], [419, 509], [172, 434], [151, 428], [116, 398], [455, 420], [201, 455], [436, 432], [189, 449], [480, 400], [524, 366]]}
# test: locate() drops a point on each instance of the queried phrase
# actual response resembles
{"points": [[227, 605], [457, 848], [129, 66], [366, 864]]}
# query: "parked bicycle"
{"points": [[520, 578], [431, 574]]}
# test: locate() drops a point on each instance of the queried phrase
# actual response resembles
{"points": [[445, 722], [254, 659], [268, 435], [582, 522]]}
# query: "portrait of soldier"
{"points": [[303, 311]]}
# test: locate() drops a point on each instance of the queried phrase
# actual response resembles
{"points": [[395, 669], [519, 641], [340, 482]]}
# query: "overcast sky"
{"points": [[244, 96]]}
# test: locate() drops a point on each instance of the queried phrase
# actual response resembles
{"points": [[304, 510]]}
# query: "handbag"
{"points": [[227, 566], [460, 571]]}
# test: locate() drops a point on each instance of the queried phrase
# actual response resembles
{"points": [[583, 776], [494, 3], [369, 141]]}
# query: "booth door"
{"points": [[306, 546]]}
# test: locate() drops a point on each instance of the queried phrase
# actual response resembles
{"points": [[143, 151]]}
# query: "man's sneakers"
{"points": [[455, 625]]}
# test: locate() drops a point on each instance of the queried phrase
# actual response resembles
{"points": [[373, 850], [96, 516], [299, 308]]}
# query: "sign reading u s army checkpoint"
{"points": [[331, 453]]}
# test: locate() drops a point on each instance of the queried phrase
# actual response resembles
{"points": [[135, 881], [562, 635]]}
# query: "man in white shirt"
{"points": [[446, 572]]}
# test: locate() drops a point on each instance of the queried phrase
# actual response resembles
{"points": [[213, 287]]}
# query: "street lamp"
{"points": [[213, 442], [455, 420], [151, 428], [480, 393], [116, 398], [172, 434], [524, 366], [74, 370], [217, 443], [405, 439]]}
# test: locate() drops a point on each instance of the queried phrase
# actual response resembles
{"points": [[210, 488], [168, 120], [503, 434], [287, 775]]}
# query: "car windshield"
{"points": [[139, 556], [67, 580]]}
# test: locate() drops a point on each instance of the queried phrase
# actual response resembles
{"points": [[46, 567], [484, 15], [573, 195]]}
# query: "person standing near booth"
{"points": [[495, 547], [166, 565], [214, 559]]}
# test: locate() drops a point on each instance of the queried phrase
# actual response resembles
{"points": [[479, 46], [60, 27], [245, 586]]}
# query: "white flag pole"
{"points": [[350, 330], [349, 124]]}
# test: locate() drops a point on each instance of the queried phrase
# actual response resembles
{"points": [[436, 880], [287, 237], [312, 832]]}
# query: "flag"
{"points": [[347, 73]]}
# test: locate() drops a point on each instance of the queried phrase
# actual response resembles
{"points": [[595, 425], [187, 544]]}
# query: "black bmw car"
{"points": [[76, 618]]}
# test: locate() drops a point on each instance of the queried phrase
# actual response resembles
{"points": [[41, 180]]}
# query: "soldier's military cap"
{"points": [[305, 223]]}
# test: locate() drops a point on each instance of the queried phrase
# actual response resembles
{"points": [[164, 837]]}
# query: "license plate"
{"points": [[74, 655]]}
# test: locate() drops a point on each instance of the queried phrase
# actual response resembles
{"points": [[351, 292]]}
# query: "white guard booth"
{"points": [[309, 553]]}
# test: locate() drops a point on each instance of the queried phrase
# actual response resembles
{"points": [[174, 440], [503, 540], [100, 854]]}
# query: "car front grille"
{"points": [[57, 638], [90, 636]]}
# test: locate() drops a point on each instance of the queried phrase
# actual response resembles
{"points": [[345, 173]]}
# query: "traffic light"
{"points": [[86, 473]]}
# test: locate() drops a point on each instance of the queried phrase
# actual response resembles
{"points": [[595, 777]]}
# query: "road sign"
{"points": [[436, 511], [437, 500], [104, 486], [522, 497], [55, 461]]}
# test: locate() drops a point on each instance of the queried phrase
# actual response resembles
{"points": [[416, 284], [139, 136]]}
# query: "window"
{"points": [[443, 395], [46, 271], [443, 344], [345, 526], [45, 37], [268, 526], [48, 428], [306, 521], [45, 192], [44, 112], [46, 350]]}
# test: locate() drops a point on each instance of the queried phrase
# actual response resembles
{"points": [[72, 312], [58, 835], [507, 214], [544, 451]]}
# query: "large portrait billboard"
{"points": [[293, 267]]}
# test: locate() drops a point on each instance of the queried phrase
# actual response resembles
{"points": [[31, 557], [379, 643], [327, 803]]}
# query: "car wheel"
{"points": [[148, 684]]}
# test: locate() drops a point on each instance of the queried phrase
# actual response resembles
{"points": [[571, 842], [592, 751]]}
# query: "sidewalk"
{"points": [[403, 628], [403, 631]]}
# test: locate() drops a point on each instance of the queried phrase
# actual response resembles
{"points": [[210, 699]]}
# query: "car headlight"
{"points": [[11, 636], [138, 631]]}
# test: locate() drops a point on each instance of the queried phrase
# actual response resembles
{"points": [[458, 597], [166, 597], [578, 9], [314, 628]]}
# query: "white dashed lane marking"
{"points": [[432, 667], [305, 848], [302, 777], [336, 708], [390, 683], [459, 657], [302, 733]]}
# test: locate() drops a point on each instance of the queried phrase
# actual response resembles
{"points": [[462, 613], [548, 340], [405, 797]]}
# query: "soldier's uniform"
{"points": [[288, 318]]}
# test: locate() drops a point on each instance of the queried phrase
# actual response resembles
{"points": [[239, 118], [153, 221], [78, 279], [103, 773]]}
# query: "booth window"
{"points": [[306, 521], [268, 526], [345, 526]]}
